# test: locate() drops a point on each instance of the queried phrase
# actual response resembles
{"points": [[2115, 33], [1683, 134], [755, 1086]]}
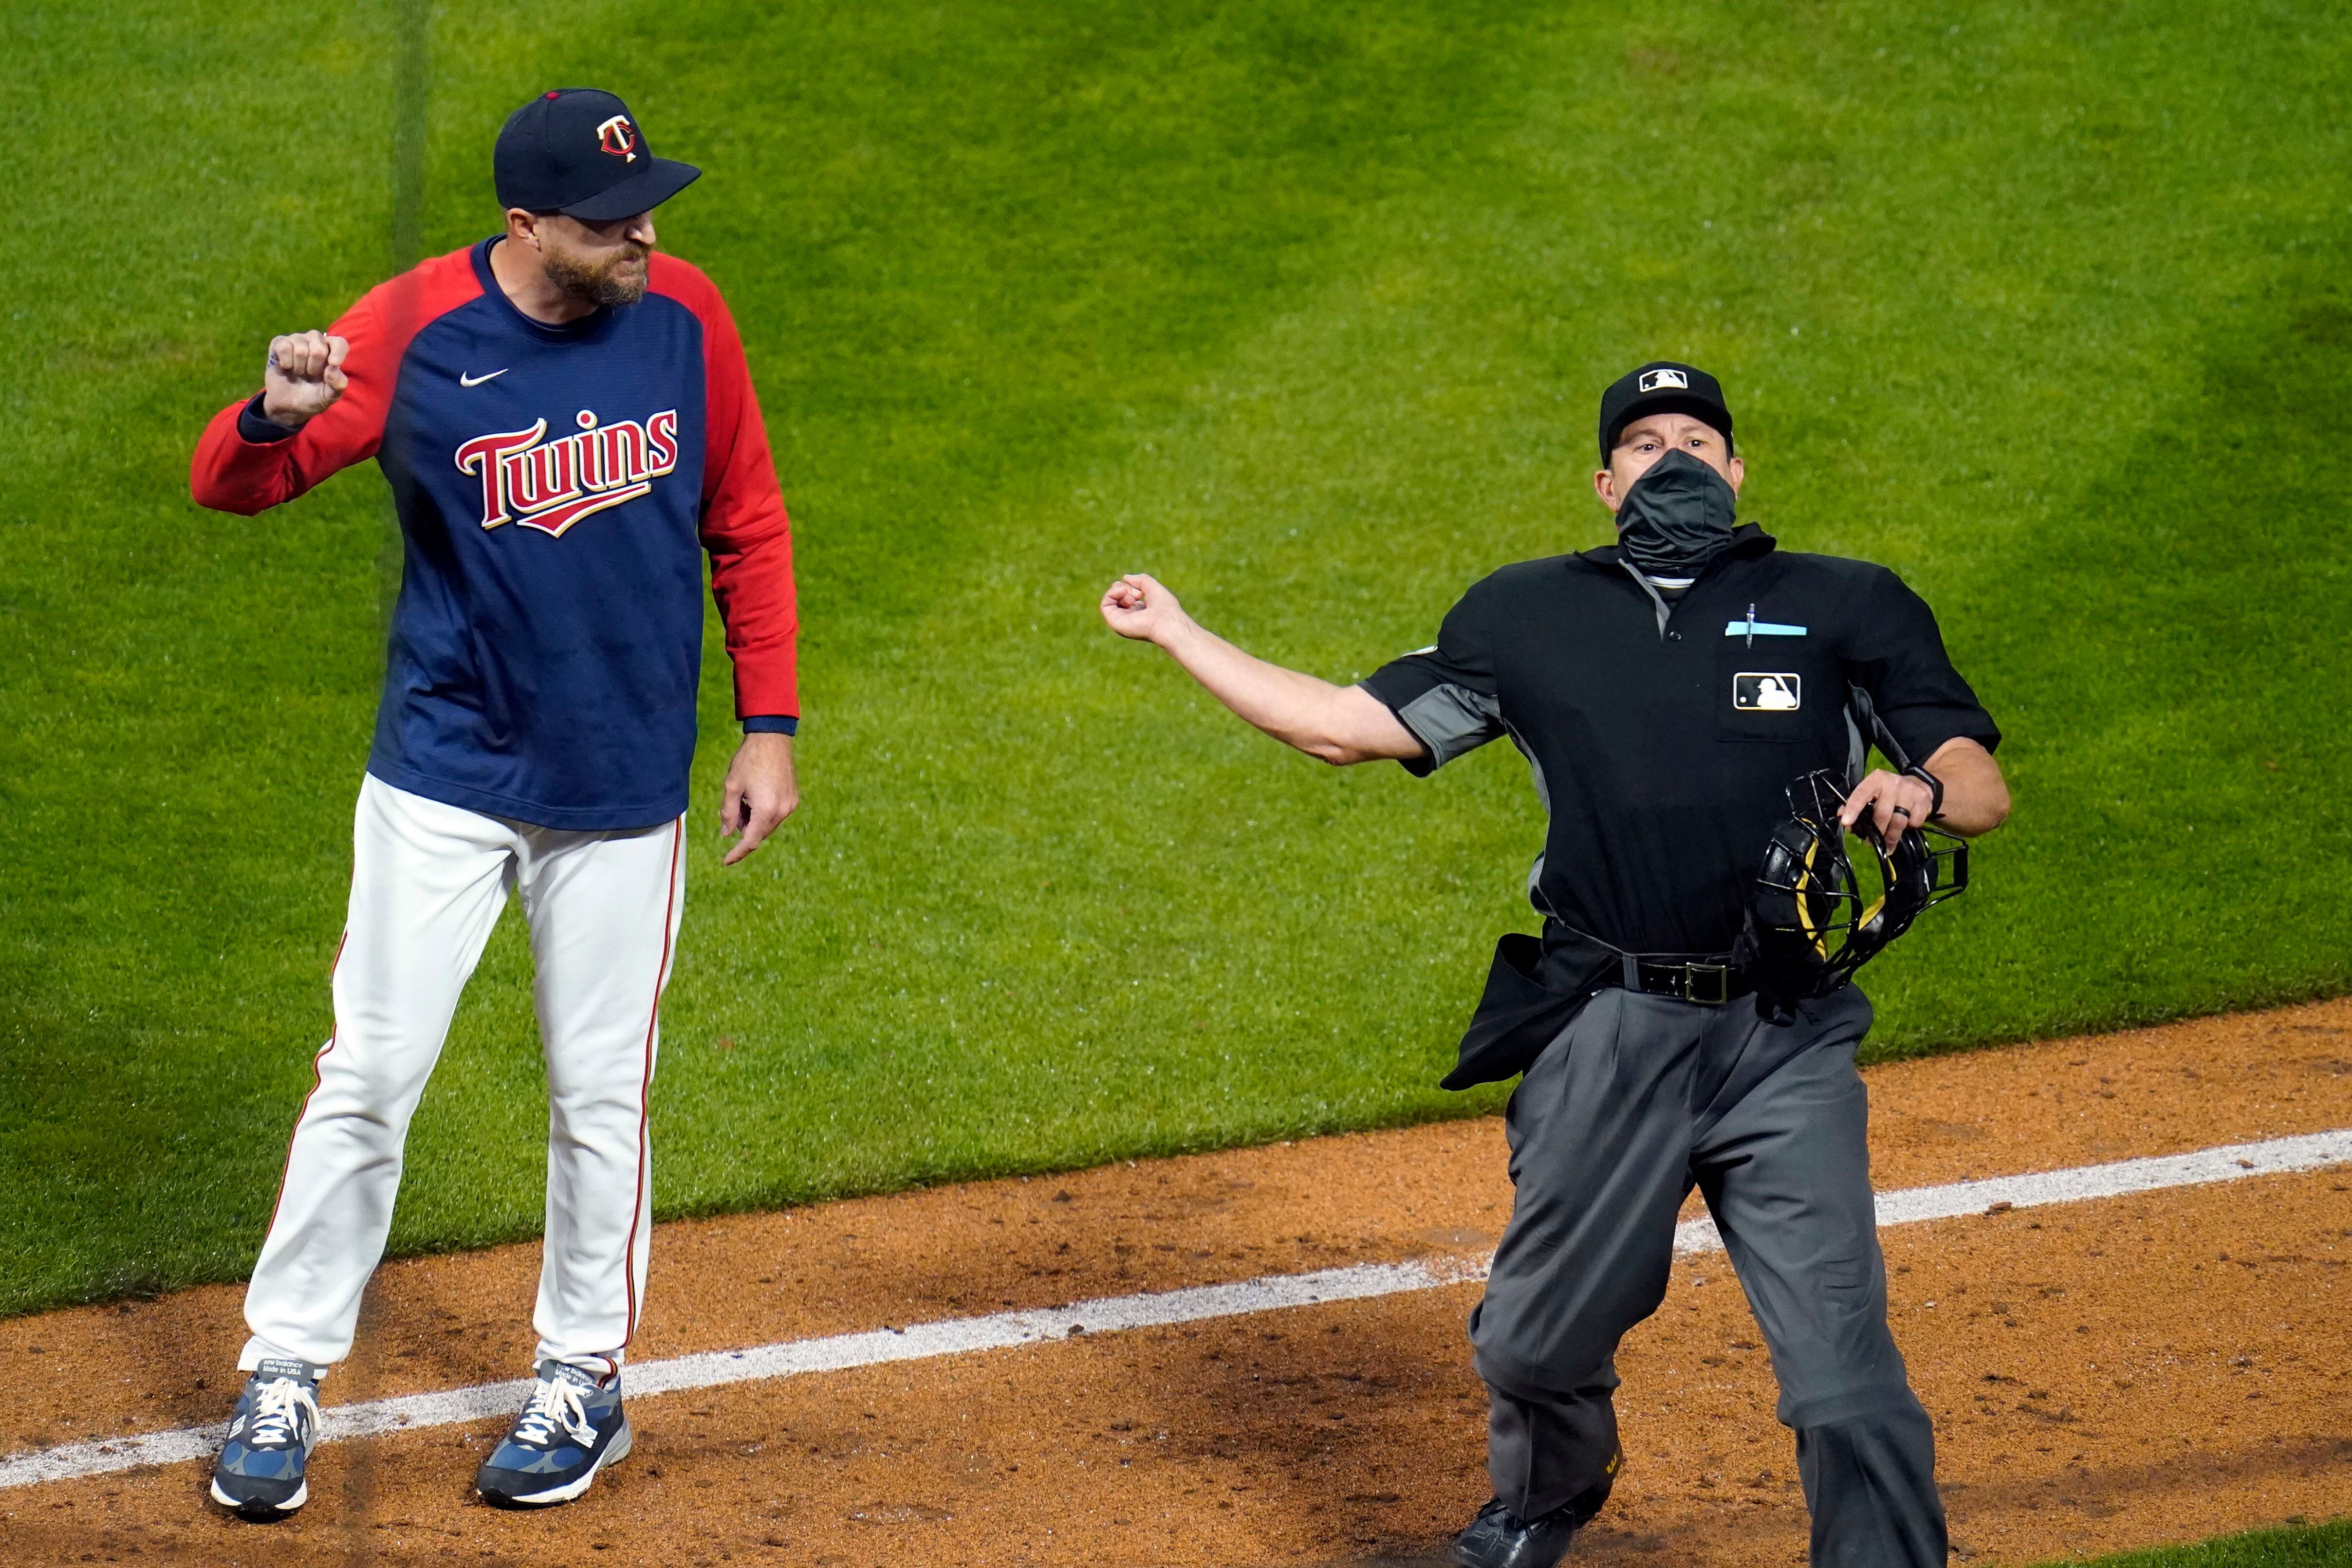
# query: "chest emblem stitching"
{"points": [[551, 485], [1767, 691]]}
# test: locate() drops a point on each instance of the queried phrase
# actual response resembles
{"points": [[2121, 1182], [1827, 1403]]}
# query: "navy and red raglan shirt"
{"points": [[557, 486]]}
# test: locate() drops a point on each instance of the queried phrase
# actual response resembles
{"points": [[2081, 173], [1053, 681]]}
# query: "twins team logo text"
{"points": [[551, 485]]}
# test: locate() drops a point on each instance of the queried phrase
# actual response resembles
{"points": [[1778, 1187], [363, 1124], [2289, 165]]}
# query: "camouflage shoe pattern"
{"points": [[260, 1471], [570, 1430]]}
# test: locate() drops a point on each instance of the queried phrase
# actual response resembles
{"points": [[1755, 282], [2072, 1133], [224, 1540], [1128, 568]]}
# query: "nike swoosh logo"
{"points": [[465, 380]]}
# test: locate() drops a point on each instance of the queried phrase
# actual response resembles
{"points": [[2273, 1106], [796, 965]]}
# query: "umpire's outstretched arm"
{"points": [[1340, 724]]}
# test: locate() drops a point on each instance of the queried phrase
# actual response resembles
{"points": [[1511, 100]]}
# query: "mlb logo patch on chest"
{"points": [[1767, 691]]}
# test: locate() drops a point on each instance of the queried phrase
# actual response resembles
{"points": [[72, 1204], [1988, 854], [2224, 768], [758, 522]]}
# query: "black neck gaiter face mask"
{"points": [[1678, 517]]}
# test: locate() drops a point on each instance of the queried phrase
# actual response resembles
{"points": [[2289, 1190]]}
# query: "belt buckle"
{"points": [[1720, 974]]}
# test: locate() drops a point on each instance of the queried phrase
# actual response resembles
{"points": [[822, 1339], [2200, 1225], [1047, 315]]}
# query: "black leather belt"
{"points": [[1710, 982], [1536, 985]]}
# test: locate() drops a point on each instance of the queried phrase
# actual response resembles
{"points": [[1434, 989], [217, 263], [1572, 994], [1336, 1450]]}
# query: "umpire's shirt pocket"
{"points": [[1774, 688]]}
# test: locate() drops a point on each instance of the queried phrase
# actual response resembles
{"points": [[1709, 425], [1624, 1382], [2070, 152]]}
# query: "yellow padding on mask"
{"points": [[1886, 876], [1804, 901]]}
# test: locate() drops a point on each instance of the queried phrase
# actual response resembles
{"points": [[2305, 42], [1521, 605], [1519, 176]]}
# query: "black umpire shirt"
{"points": [[1663, 736]]}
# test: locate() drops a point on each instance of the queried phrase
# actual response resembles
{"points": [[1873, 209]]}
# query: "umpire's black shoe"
{"points": [[1498, 1538]]}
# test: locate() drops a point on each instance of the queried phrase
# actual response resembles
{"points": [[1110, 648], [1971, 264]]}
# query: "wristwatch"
{"points": [[1935, 807]]}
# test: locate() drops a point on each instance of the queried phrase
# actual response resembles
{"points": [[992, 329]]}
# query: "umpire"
{"points": [[1665, 690]]}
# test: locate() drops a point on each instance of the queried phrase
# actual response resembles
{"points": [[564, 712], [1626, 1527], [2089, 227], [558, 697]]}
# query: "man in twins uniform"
{"points": [[567, 426]]}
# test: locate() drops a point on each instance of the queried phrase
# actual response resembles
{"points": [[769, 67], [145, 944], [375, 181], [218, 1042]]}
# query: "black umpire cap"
{"points": [[1662, 386], [578, 152]]}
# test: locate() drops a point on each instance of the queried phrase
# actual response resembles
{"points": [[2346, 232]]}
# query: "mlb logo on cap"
{"points": [[1662, 386]]}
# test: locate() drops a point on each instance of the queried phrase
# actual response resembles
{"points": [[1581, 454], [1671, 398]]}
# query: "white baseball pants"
{"points": [[428, 881]]}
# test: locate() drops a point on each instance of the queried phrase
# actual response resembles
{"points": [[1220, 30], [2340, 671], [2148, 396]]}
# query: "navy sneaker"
{"points": [[261, 1469], [570, 1430], [1498, 1538]]}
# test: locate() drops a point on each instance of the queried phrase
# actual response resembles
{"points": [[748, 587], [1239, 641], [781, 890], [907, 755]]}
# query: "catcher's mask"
{"points": [[1815, 920]]}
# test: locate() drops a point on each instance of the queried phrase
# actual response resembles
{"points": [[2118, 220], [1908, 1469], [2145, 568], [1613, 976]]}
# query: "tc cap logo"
{"points": [[1754, 691], [1665, 380], [618, 137]]}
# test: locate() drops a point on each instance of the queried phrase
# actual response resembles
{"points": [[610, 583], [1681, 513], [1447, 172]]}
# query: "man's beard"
{"points": [[620, 281]]}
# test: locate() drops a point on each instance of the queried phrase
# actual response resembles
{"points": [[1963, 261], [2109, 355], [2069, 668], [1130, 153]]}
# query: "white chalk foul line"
{"points": [[918, 1342], [1112, 1314], [2274, 1156]]}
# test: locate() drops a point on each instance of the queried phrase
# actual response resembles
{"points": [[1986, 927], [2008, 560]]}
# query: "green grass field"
{"points": [[2310, 1546], [1303, 308]]}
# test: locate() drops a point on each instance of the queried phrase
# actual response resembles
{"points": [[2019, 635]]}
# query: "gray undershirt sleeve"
{"points": [[1450, 720]]}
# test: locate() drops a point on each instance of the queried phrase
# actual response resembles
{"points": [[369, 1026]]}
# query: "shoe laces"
{"points": [[556, 1404], [280, 1408]]}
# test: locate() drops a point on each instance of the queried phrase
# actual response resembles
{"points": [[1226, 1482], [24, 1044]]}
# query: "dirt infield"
{"points": [[2103, 1374]]}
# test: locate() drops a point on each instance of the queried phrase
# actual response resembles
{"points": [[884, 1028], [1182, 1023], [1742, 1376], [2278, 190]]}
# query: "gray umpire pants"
{"points": [[1639, 1099]]}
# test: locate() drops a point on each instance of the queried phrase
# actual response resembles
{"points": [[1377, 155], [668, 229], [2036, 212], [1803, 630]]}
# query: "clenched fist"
{"points": [[303, 379], [1140, 607]]}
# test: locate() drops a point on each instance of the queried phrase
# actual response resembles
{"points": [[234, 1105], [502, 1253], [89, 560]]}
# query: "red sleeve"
{"points": [[744, 526], [230, 474]]}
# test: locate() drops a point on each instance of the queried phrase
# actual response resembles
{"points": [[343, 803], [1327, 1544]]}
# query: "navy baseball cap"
{"points": [[578, 150], [1662, 386]]}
